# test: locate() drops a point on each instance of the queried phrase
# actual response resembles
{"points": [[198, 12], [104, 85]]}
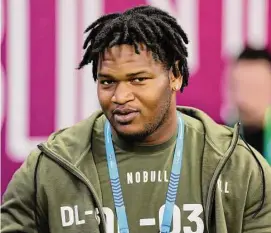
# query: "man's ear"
{"points": [[176, 78]]}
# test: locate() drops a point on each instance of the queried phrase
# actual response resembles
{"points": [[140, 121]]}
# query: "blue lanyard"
{"points": [[172, 187]]}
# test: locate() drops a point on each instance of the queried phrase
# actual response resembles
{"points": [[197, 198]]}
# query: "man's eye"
{"points": [[138, 80], [106, 82]]}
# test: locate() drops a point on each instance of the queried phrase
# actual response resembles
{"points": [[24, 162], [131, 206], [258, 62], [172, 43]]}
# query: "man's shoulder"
{"points": [[248, 170], [71, 142], [78, 130], [250, 157], [256, 176], [217, 136]]}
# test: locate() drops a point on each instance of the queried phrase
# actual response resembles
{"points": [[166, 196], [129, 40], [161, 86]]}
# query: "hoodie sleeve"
{"points": [[257, 216], [19, 200]]}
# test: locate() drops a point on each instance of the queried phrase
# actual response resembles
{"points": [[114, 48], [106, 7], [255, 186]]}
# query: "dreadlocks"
{"points": [[151, 26]]}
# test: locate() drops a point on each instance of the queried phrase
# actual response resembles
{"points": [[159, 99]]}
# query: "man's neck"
{"points": [[164, 132]]}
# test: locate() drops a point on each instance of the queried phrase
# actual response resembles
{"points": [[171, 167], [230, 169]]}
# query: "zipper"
{"points": [[76, 172], [220, 166]]}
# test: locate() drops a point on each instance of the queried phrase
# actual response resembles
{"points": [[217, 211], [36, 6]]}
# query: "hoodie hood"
{"points": [[73, 142], [218, 136]]}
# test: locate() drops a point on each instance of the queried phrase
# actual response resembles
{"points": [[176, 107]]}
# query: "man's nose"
{"points": [[123, 93]]}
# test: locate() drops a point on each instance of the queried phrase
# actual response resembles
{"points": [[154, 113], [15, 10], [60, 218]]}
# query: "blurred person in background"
{"points": [[141, 163], [250, 94]]}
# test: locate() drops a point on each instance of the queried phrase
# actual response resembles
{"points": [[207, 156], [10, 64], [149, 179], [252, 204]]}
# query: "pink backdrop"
{"points": [[41, 45]]}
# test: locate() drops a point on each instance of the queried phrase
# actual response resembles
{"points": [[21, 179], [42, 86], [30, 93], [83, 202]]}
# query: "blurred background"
{"points": [[41, 46]]}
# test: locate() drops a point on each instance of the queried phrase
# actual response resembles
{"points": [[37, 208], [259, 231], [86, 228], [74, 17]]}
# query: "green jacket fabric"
{"points": [[64, 165]]}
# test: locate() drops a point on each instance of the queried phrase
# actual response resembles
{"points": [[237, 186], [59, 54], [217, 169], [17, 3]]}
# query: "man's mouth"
{"points": [[124, 115]]}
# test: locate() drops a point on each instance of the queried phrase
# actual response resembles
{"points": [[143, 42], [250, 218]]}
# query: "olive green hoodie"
{"points": [[64, 166]]}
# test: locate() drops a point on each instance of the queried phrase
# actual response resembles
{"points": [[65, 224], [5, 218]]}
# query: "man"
{"points": [[250, 92], [140, 164]]}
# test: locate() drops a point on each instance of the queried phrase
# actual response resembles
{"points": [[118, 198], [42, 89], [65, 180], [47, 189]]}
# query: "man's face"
{"points": [[134, 91], [251, 89]]}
